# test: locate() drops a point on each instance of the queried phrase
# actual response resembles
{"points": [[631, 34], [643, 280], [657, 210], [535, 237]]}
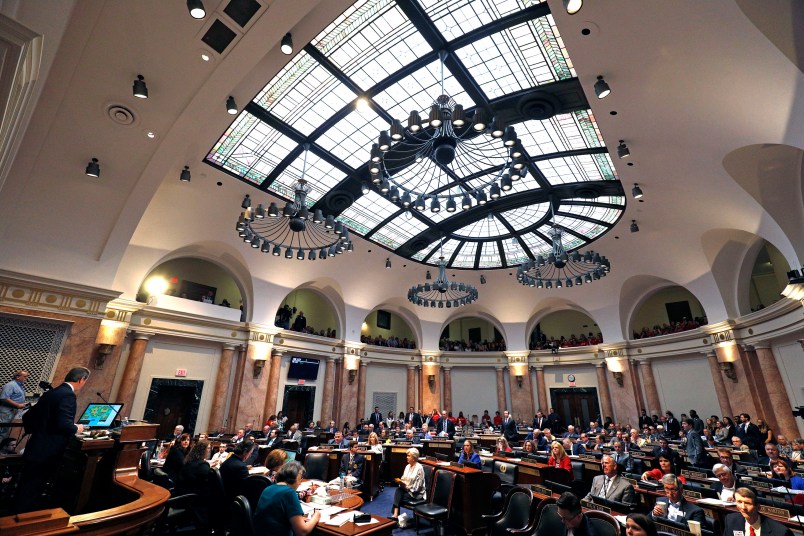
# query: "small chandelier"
{"points": [[562, 269], [441, 293], [293, 231], [437, 162]]}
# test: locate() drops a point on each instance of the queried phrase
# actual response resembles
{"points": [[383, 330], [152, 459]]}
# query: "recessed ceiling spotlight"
{"points": [[231, 106], [573, 6], [388, 262], [196, 9], [205, 56], [362, 104], [185, 174], [140, 89], [93, 168], [602, 89], [287, 44], [150, 134]]}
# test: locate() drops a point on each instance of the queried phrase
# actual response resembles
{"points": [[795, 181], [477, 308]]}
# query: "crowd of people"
{"points": [[543, 343], [390, 342], [672, 327], [286, 313], [497, 345]]}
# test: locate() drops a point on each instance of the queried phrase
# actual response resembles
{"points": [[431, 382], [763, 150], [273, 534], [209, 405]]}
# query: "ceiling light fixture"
{"points": [[636, 191], [482, 279], [294, 228], [602, 89], [441, 292], [287, 44], [562, 269], [185, 174], [573, 6], [634, 226], [140, 89], [196, 9], [231, 106], [388, 263], [434, 158], [93, 168], [795, 286], [622, 150]]}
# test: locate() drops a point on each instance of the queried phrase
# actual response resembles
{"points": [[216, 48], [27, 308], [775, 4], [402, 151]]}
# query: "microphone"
{"points": [[101, 396]]}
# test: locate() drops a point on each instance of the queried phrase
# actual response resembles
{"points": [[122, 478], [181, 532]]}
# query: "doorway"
{"points": [[298, 404], [173, 402], [678, 311], [576, 405]]}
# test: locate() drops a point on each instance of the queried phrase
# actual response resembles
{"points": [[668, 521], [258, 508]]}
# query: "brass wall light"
{"points": [[103, 352], [519, 380], [352, 375], [431, 379], [728, 370], [259, 364], [618, 377]]}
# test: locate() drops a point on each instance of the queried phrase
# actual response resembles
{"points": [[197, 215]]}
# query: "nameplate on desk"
{"points": [[672, 530], [456, 464], [589, 505], [590, 457], [688, 493], [694, 474], [592, 466], [541, 490], [431, 458], [763, 485], [325, 447], [774, 511], [635, 454]]}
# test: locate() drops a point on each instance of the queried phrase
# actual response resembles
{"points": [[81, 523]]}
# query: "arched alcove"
{"points": [[384, 327], [667, 310], [766, 280], [569, 328], [193, 279], [310, 311], [473, 333]]}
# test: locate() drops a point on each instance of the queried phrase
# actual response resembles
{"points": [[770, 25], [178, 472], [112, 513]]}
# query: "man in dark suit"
{"points": [[696, 454], [622, 458], [749, 432], [352, 466], [339, 441], [645, 420], [748, 522], [376, 417], [413, 418], [540, 421], [554, 421], [674, 506], [509, 427], [444, 426], [274, 440], [672, 428], [234, 471], [610, 485], [664, 450], [572, 516], [51, 423]]}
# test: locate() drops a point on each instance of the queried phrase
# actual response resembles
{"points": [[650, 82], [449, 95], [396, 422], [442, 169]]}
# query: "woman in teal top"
{"points": [[278, 510]]}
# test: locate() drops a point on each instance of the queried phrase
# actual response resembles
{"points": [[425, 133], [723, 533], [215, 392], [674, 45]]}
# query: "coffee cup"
{"points": [[695, 527], [662, 508]]}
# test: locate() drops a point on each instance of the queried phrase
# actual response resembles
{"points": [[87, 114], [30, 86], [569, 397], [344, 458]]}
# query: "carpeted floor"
{"points": [[383, 505]]}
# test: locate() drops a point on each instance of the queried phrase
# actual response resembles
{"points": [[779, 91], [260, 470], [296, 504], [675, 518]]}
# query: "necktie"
{"points": [[605, 486], [751, 531]]}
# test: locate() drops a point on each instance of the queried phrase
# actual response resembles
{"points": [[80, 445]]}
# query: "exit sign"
{"points": [[301, 382], [181, 373]]}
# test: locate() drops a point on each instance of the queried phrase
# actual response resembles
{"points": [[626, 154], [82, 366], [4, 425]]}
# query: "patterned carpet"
{"points": [[383, 505]]}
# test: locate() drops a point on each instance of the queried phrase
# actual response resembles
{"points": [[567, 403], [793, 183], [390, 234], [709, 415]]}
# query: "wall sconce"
{"points": [[103, 352], [431, 379], [352, 375], [519, 380], [259, 364], [727, 368], [618, 377]]}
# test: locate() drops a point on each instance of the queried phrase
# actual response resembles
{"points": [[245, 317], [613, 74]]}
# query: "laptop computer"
{"points": [[100, 415]]}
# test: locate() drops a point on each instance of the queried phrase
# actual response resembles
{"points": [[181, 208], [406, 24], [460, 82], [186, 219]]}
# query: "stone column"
{"points": [[542, 387], [652, 394], [131, 373], [234, 404], [530, 396], [638, 394], [410, 399], [758, 379], [501, 405], [217, 418], [350, 368], [521, 397], [432, 390], [781, 415], [272, 392], [329, 385], [603, 387], [420, 383], [720, 385], [337, 393], [447, 388], [361, 391]]}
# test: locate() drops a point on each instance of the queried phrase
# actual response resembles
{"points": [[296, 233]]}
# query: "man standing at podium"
{"points": [[51, 423]]}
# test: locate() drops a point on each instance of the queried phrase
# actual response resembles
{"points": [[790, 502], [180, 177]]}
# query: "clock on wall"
{"points": [[571, 378]]}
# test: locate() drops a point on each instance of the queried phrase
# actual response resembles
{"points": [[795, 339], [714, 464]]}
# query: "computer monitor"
{"points": [[472, 465], [616, 506], [100, 415], [555, 487], [441, 456], [291, 454]]}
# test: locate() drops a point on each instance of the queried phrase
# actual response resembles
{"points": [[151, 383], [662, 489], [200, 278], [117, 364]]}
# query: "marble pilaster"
{"points": [[217, 416], [501, 405], [638, 394], [431, 398], [329, 386], [603, 390], [253, 388], [133, 368], [541, 386], [410, 399], [651, 392], [361, 390], [521, 397], [272, 393], [447, 388], [348, 391], [237, 385], [781, 415]]}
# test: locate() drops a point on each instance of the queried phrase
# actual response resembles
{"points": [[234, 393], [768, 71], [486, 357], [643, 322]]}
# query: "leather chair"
{"points": [[217, 498], [515, 513], [240, 519], [316, 465], [548, 521], [438, 508], [577, 470], [580, 488], [604, 524], [144, 472], [507, 473], [178, 514], [488, 465], [555, 474], [409, 503], [161, 478], [253, 487]]}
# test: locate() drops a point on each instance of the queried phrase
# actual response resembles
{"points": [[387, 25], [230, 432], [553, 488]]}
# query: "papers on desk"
{"points": [[258, 470], [443, 463], [326, 510], [797, 519], [714, 502], [338, 520], [713, 479], [783, 489], [621, 519], [307, 484]]}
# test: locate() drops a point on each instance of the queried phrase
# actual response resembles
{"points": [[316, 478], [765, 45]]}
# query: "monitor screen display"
{"points": [[291, 455], [303, 369], [100, 415]]}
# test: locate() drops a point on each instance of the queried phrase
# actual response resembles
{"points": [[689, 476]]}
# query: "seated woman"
{"points": [[274, 461], [528, 447], [468, 453], [502, 445], [666, 467], [374, 444], [194, 474], [558, 457], [780, 470], [174, 460], [639, 525], [411, 485], [278, 510]]}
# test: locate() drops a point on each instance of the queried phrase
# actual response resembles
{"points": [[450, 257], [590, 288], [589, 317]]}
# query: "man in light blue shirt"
{"points": [[12, 400]]}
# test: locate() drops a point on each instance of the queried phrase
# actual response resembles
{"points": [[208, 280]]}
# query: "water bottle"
{"points": [[343, 478], [125, 421]]}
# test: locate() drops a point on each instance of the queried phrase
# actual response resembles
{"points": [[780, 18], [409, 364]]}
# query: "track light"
{"points": [[140, 89], [573, 6], [93, 168], [634, 226], [231, 106], [185, 174], [388, 262], [364, 188], [602, 89], [287, 44], [196, 9], [622, 150], [636, 191], [482, 279]]}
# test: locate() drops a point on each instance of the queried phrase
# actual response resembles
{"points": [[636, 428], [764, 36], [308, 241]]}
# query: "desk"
{"points": [[396, 458], [371, 469], [382, 528]]}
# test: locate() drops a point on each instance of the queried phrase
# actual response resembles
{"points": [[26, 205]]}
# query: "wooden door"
{"points": [[577, 406], [173, 408]]}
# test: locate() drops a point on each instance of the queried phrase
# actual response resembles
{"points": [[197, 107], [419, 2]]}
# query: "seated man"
{"points": [[234, 470], [622, 458], [674, 506], [726, 458], [426, 434], [798, 450], [610, 485], [771, 454], [570, 433], [572, 516], [351, 466], [664, 450], [747, 520], [339, 441], [727, 486], [331, 429]]}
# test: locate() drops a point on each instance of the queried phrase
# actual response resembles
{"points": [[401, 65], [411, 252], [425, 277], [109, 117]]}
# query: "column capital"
{"points": [[142, 335], [332, 359], [446, 368], [229, 346], [414, 367], [748, 347], [538, 368], [600, 364], [762, 345], [276, 352], [364, 362]]}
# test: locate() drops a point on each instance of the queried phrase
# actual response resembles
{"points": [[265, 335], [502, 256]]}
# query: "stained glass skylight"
{"points": [[388, 51]]}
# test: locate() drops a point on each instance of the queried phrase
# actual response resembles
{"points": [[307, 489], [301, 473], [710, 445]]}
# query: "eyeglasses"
{"points": [[568, 519]]}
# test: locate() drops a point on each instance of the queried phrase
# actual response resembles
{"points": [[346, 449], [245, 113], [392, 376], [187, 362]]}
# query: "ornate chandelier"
{"points": [[442, 292], [294, 230], [443, 160]]}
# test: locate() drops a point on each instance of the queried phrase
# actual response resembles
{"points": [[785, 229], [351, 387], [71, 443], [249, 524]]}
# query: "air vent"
{"points": [[219, 36], [121, 115], [242, 11]]}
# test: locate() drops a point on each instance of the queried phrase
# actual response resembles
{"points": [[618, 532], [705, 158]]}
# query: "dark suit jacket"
{"points": [[585, 528], [736, 523], [578, 448], [174, 461], [52, 425], [439, 427], [509, 429], [672, 428], [376, 419], [415, 419], [540, 422], [690, 510], [554, 422], [695, 449], [645, 419], [751, 437], [233, 473], [354, 469]]}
